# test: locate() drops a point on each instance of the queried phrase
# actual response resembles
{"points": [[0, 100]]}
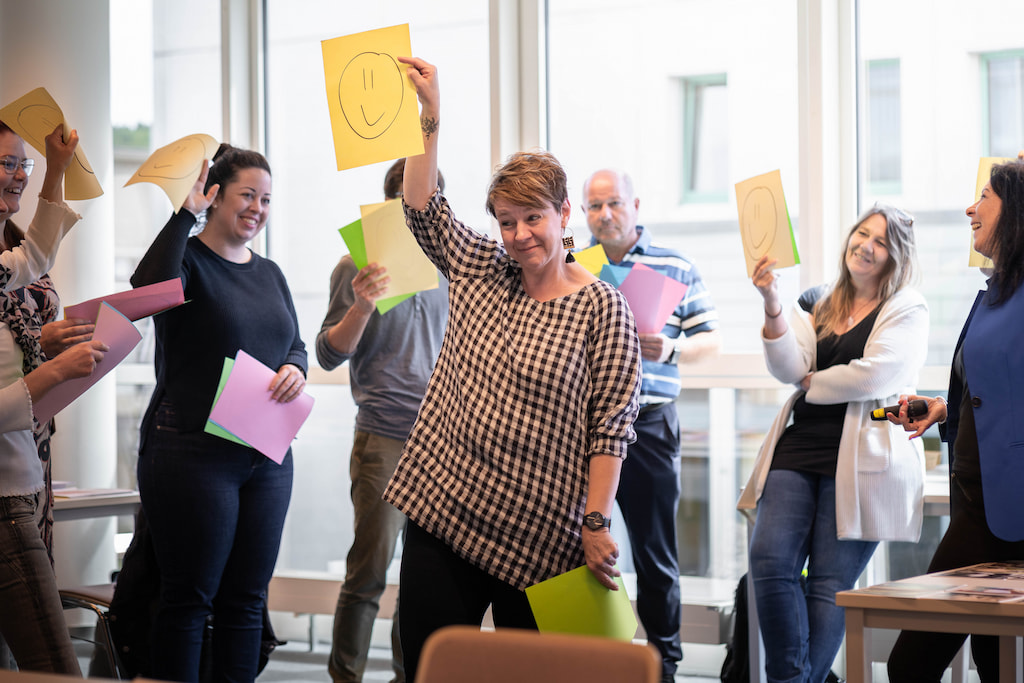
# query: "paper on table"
{"points": [[652, 297], [592, 258], [614, 274], [765, 227], [114, 330], [133, 304], [210, 427], [176, 167], [356, 243], [33, 116], [372, 102], [390, 243], [575, 602], [985, 164], [246, 410]]}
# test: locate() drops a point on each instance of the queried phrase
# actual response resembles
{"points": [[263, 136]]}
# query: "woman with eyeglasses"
{"points": [[828, 482], [31, 617], [981, 424], [37, 301]]}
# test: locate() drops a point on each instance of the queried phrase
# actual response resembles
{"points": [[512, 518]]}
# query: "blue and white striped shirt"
{"points": [[695, 313]]}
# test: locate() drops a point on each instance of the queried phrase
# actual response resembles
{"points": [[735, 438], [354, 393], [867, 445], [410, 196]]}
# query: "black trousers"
{"points": [[439, 588], [923, 656]]}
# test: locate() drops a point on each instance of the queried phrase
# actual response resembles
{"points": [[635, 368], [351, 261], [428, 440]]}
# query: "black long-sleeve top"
{"points": [[228, 306]]}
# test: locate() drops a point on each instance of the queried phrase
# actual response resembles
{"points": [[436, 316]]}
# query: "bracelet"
{"points": [[769, 315], [944, 405]]}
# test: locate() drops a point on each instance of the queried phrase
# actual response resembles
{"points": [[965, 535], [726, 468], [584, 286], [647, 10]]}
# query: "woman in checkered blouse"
{"points": [[528, 412]]}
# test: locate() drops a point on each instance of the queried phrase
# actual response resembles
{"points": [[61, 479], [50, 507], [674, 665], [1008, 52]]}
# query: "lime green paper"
{"points": [[211, 427], [575, 602], [356, 243]]}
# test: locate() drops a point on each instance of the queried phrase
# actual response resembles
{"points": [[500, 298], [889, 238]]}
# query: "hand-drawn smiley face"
{"points": [[370, 91], [758, 221], [38, 121], [180, 159]]}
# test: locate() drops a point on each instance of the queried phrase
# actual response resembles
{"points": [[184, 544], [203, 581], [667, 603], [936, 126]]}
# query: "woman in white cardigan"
{"points": [[829, 482]]}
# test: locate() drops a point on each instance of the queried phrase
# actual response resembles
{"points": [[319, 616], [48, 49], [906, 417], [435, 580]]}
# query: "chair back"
{"points": [[465, 654]]}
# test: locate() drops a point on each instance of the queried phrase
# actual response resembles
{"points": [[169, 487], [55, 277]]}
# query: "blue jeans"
{"points": [[31, 617], [377, 527], [796, 523], [216, 512]]}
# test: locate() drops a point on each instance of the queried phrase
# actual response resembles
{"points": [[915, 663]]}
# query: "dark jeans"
{"points": [[796, 524], [923, 656], [31, 617], [216, 512], [648, 496], [440, 589]]}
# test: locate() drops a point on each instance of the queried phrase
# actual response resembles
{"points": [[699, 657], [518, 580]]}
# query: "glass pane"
{"points": [[312, 200], [616, 100], [1006, 105], [943, 100], [707, 142], [883, 130], [164, 85]]}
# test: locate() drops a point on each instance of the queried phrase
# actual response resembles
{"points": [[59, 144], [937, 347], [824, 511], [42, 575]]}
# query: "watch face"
{"points": [[595, 521]]}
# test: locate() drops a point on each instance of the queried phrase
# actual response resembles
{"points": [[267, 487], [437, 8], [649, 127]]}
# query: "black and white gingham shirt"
{"points": [[523, 394]]}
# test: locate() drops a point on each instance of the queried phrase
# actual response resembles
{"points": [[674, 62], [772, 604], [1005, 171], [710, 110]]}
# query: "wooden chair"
{"points": [[465, 654]]}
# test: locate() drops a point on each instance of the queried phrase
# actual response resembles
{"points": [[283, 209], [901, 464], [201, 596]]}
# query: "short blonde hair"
{"points": [[533, 179]]}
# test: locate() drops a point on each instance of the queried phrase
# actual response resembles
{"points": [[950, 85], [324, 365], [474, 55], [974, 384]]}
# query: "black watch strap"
{"points": [[595, 521]]}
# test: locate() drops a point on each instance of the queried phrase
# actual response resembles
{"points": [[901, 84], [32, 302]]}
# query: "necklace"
{"points": [[854, 312]]}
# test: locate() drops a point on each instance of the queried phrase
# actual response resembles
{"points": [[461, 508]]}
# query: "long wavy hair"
{"points": [[1007, 182], [900, 268]]}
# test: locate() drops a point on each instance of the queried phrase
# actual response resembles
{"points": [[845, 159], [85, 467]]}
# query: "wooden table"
{"points": [[894, 606]]}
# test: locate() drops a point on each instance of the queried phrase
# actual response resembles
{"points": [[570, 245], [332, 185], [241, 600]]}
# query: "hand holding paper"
{"points": [[652, 296], [245, 409], [174, 168], [575, 602]]}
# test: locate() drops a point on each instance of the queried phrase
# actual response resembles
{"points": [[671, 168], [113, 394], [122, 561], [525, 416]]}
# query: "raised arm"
{"points": [[420, 179]]}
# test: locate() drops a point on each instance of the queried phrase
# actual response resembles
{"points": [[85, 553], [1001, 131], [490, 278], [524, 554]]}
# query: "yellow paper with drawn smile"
{"points": [[372, 102], [390, 244], [174, 168], [33, 116], [765, 227]]}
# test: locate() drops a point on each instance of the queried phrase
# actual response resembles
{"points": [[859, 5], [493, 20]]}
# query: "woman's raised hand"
{"points": [[198, 201], [59, 154], [765, 279], [424, 76]]}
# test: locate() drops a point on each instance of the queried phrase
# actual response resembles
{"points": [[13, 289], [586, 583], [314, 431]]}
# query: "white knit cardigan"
{"points": [[880, 471]]}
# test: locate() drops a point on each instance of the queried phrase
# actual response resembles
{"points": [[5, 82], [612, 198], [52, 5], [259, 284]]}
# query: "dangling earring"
{"points": [[568, 244]]}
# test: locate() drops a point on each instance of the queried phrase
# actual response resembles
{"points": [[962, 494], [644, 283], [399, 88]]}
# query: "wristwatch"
{"points": [[595, 521], [673, 356]]}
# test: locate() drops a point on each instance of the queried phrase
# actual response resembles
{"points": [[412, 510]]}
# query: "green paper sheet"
{"points": [[356, 243], [211, 427], [575, 602]]}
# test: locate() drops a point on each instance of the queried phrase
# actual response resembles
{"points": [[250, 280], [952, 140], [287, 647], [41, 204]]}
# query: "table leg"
{"points": [[858, 647], [1008, 659]]}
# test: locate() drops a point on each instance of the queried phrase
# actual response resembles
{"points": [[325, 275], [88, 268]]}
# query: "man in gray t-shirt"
{"points": [[390, 360]]}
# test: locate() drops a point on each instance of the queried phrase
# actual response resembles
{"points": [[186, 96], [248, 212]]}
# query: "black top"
{"points": [[964, 456], [811, 442], [228, 306]]}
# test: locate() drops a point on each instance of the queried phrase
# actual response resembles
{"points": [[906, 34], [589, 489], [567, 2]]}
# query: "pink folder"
{"points": [[114, 330], [246, 410], [133, 304], [652, 297]]}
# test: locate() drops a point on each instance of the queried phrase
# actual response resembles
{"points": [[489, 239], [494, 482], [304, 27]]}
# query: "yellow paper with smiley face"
{"points": [[765, 226], [176, 167], [33, 116], [372, 102]]}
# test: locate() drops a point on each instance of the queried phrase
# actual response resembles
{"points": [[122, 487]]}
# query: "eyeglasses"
{"points": [[11, 163]]}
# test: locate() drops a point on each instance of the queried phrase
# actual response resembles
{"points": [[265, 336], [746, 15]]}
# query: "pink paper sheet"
{"points": [[114, 330], [652, 297], [133, 304], [246, 410]]}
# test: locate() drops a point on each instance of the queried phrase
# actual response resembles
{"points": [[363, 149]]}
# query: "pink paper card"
{"points": [[652, 297], [133, 304], [246, 410], [114, 330]]}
